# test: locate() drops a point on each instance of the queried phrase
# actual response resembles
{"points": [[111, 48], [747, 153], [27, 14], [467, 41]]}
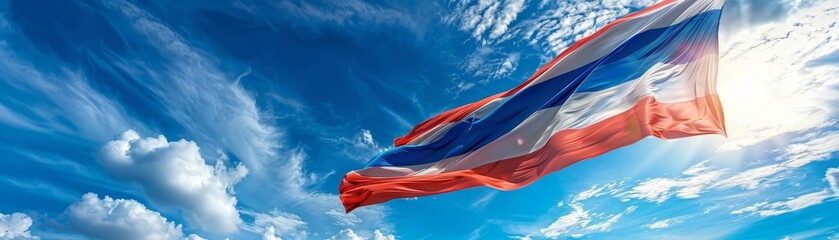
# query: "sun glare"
{"points": [[765, 85]]}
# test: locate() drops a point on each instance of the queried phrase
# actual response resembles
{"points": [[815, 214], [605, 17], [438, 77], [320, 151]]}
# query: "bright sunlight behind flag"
{"points": [[650, 73]]}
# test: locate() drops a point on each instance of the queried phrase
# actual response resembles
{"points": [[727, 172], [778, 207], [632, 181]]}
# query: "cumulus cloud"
{"points": [[15, 226], [766, 82], [696, 180], [270, 234], [346, 234], [217, 112], [174, 174], [278, 223], [378, 235], [109, 218], [349, 234]]}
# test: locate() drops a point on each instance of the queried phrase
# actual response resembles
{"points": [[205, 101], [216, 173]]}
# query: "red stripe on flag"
{"points": [[649, 117]]}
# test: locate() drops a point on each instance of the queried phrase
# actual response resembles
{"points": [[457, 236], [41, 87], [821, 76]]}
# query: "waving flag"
{"points": [[652, 72]]}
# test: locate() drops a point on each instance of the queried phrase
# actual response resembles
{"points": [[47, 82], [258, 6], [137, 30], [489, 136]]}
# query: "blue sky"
{"points": [[255, 110]]}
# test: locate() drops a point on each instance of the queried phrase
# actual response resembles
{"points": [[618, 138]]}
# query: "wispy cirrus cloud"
{"points": [[172, 80], [361, 147], [568, 21], [767, 209], [276, 224], [221, 114], [663, 223], [354, 13], [580, 222], [796, 155], [192, 90], [486, 20], [695, 181], [58, 101], [699, 182]]}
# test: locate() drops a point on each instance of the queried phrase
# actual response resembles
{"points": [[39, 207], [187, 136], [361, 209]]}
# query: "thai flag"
{"points": [[652, 72]]}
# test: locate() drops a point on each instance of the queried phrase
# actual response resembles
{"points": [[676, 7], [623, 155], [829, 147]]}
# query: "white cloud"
{"points": [[127, 219], [195, 90], [489, 64], [352, 12], [663, 223], [751, 178], [507, 66], [343, 219], [189, 87], [507, 15], [485, 64], [596, 191], [796, 155], [484, 200], [696, 179], [580, 222], [194, 237], [577, 218], [569, 21], [78, 109], [766, 209], [279, 223], [832, 176], [699, 178], [486, 20], [270, 234], [349, 234], [605, 226], [175, 174], [346, 234], [15, 226], [361, 147], [767, 84], [378, 235]]}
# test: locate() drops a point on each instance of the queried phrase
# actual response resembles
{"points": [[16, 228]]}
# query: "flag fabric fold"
{"points": [[650, 73]]}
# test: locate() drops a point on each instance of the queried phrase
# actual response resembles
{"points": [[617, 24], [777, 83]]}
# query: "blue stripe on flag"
{"points": [[675, 44]]}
